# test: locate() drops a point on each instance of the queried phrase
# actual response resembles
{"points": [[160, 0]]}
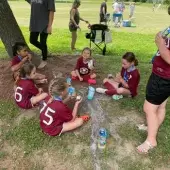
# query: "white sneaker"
{"points": [[101, 90], [42, 64], [142, 127]]}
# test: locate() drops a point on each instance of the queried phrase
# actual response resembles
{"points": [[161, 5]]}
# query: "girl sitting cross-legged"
{"points": [[27, 95], [84, 70], [126, 82], [55, 116]]}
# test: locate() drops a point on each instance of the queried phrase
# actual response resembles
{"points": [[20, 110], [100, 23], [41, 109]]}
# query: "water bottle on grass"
{"points": [[102, 138], [91, 91]]}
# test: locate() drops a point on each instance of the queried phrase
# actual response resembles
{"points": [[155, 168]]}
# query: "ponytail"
{"points": [[130, 57], [136, 62]]}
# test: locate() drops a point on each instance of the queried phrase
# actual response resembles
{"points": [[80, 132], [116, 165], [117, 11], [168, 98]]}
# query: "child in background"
{"points": [[55, 116], [126, 82], [84, 70], [131, 9], [27, 95], [21, 56]]}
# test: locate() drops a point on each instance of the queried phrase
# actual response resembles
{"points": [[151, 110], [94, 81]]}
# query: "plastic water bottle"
{"points": [[102, 138], [91, 92], [71, 90], [68, 80], [165, 32]]}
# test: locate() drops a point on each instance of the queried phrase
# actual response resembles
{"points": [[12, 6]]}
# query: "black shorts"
{"points": [[102, 18], [72, 27], [157, 89]]}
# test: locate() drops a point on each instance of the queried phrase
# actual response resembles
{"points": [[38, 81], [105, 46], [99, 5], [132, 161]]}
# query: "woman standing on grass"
{"points": [[157, 92], [74, 22]]}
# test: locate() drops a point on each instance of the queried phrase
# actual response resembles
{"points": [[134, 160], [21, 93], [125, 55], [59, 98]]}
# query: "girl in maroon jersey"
{"points": [[126, 82], [21, 56], [27, 95], [84, 70], [55, 116]]}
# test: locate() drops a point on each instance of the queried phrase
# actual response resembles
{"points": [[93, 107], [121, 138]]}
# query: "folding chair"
{"points": [[97, 36]]}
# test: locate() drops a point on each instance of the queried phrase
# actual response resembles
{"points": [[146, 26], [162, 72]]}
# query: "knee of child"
{"points": [[73, 73], [93, 76], [105, 80], [119, 91]]}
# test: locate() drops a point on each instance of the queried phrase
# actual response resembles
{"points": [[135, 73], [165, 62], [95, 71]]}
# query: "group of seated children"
{"points": [[55, 116]]}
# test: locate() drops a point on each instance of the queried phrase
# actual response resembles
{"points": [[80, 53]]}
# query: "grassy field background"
{"points": [[28, 148]]}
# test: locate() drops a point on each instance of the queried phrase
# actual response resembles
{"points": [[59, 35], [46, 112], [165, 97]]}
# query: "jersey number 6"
{"points": [[18, 96]]}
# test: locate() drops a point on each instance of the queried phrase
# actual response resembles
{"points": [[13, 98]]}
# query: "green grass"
{"points": [[3, 154], [8, 110], [139, 40]]}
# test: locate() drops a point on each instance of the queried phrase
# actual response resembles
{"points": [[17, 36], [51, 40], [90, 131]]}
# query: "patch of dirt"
{"points": [[6, 80], [14, 158], [51, 160]]}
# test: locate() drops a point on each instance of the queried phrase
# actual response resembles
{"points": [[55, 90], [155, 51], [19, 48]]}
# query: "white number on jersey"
{"points": [[18, 96], [48, 110]]}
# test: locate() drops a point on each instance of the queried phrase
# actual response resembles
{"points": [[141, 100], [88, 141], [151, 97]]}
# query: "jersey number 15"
{"points": [[48, 110]]}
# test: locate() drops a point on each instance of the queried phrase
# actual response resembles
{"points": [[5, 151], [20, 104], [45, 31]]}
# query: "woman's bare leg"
{"points": [[73, 41]]}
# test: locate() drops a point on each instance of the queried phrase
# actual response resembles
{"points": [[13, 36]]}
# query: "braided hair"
{"points": [[56, 86]]}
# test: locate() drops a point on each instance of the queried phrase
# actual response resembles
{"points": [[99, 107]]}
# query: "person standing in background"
{"points": [[122, 8], [131, 9], [103, 11], [74, 22], [41, 20]]}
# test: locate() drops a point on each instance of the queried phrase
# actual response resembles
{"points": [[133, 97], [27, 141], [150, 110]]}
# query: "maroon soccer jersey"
{"points": [[82, 67], [16, 60], [25, 90], [132, 79], [160, 67], [53, 115]]}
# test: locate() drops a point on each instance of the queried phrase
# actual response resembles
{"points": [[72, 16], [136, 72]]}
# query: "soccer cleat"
{"points": [[85, 118], [101, 90]]}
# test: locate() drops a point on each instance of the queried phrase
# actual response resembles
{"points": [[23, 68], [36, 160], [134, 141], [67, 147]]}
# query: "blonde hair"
{"points": [[56, 86]]}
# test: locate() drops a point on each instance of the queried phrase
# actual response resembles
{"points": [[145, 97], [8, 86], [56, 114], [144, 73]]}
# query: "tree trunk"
{"points": [[10, 32], [9, 29]]}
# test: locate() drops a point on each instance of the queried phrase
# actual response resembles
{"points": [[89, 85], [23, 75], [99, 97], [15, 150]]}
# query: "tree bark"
{"points": [[9, 29], [10, 32]]}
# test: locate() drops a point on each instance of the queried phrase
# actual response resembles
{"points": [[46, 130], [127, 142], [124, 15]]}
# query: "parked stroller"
{"points": [[97, 36]]}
